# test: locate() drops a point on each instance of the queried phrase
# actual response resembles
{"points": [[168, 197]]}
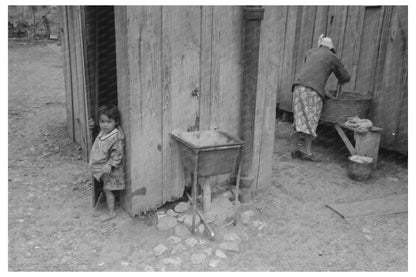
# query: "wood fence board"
{"points": [[215, 68], [289, 59], [369, 49], [395, 72], [146, 116], [378, 97], [306, 35], [266, 98], [66, 52], [206, 60], [123, 88], [337, 17], [321, 21], [279, 25], [352, 43], [230, 69]]}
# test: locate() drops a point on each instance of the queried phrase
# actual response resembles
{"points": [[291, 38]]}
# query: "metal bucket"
{"points": [[348, 104], [359, 167]]}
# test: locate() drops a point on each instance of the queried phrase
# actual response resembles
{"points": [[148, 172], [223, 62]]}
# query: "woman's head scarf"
{"points": [[326, 42]]}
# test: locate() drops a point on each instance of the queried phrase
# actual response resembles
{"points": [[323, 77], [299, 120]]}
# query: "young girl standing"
{"points": [[107, 156]]}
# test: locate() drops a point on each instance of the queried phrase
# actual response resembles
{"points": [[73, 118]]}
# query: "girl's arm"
{"points": [[116, 153]]}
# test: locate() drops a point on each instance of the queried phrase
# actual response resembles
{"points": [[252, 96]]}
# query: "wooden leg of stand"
{"points": [[345, 139]]}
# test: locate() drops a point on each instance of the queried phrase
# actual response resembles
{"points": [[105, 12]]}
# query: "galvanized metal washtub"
{"points": [[346, 104]]}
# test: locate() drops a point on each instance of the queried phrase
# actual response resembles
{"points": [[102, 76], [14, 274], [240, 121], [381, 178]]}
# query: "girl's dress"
{"points": [[109, 149]]}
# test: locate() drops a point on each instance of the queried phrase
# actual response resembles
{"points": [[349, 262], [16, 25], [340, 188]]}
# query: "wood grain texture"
{"points": [[123, 88], [66, 53], [144, 47], [270, 56]]}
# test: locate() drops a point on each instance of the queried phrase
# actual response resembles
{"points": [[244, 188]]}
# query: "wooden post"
{"points": [[252, 16]]}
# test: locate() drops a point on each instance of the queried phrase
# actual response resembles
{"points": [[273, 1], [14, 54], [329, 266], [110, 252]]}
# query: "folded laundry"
{"points": [[358, 123]]}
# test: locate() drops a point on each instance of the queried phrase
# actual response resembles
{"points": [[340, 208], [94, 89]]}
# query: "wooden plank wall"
{"points": [[184, 74], [75, 76], [372, 43]]}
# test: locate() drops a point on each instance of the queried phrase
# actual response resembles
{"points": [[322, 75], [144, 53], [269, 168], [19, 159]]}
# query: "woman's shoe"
{"points": [[311, 158], [297, 154]]}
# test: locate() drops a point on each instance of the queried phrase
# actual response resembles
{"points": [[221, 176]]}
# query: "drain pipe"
{"points": [[252, 17]]}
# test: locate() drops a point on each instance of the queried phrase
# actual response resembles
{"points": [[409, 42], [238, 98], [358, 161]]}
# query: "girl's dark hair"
{"points": [[110, 111]]}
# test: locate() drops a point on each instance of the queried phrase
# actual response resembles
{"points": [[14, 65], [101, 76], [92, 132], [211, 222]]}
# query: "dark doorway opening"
{"points": [[100, 53]]}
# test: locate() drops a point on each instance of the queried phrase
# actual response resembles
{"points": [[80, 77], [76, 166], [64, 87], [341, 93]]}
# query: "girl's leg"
{"points": [[109, 195], [308, 145]]}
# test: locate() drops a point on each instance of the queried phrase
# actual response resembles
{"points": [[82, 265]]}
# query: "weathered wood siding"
{"points": [[372, 42], [75, 85], [184, 69]]}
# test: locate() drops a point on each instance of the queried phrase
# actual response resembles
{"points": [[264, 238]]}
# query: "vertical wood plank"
{"points": [[307, 20], [352, 43], [230, 18], [144, 49], [369, 49], [280, 27], [337, 17], [321, 21], [394, 75], [266, 96], [66, 52], [123, 88], [289, 59], [215, 68], [167, 153], [185, 45], [206, 60]]}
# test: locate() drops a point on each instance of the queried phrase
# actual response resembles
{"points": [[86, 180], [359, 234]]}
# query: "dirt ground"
{"points": [[51, 227]]}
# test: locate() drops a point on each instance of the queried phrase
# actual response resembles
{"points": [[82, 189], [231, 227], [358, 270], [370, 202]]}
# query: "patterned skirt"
{"points": [[307, 108]]}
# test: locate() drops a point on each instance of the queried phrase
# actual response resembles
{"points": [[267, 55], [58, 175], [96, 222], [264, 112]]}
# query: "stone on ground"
{"points": [[246, 216], [230, 246], [173, 240], [172, 213], [198, 258], [148, 268], [188, 220], [160, 249], [172, 261], [259, 224], [208, 251], [222, 208], [201, 228], [232, 237], [220, 254], [191, 242], [182, 207], [177, 249], [166, 223], [213, 263], [182, 231]]}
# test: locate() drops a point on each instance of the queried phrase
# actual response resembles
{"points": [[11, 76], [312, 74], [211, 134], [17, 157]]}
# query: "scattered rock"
{"points": [[246, 216], [213, 263], [220, 254], [202, 241], [181, 230], [365, 230], [125, 263], [191, 242], [172, 213], [201, 228], [368, 237], [232, 237], [198, 258], [166, 223], [181, 218], [173, 239], [230, 246], [208, 251], [320, 253], [148, 268], [259, 225], [182, 207], [160, 249], [173, 261], [188, 220], [178, 249]]}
